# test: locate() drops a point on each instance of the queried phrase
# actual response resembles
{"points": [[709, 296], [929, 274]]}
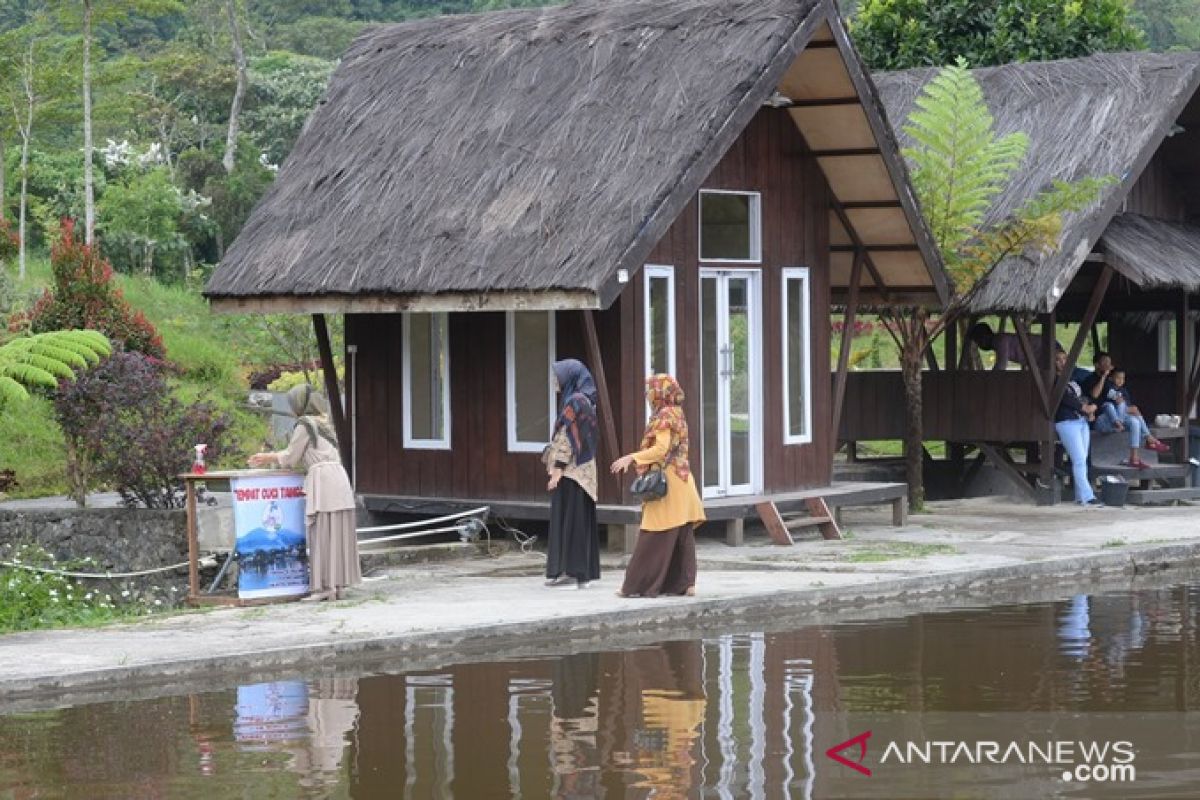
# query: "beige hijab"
{"points": [[310, 409]]}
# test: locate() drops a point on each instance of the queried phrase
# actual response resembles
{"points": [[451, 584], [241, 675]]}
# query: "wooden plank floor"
{"points": [[839, 495]]}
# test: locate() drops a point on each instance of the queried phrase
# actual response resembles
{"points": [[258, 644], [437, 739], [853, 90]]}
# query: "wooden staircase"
{"points": [[780, 528]]}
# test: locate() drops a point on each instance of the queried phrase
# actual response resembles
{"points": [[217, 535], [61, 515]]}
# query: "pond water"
{"points": [[728, 716]]}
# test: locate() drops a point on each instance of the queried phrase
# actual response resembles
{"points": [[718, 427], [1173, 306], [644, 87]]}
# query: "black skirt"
{"points": [[574, 540]]}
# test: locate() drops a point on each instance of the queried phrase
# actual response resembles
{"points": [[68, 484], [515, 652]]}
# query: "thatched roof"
{"points": [[531, 158], [1154, 252], [1100, 115]]}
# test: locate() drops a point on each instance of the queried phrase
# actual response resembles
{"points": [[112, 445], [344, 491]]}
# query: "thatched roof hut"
{"points": [[1100, 115], [531, 159]]}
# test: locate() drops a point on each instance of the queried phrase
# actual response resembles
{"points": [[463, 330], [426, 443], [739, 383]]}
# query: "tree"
{"points": [[1169, 24], [32, 58], [959, 165], [901, 34], [44, 359], [91, 13], [239, 92]]}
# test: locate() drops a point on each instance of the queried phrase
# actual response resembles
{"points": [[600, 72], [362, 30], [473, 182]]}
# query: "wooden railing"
{"points": [[958, 406]]}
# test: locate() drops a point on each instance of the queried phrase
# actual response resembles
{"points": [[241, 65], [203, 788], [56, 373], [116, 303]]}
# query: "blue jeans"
{"points": [[1076, 439], [1111, 415]]}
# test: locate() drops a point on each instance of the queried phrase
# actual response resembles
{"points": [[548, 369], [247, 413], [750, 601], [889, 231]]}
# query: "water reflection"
{"points": [[730, 716]]}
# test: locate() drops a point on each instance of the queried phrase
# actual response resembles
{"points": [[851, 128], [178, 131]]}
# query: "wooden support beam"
{"points": [[1089, 317], [851, 205], [1183, 356], [843, 365], [608, 425], [968, 347], [821, 102], [971, 471], [874, 248], [931, 359], [876, 278], [1021, 326], [332, 392], [1185, 348], [822, 517], [773, 522], [1045, 366], [1005, 466], [849, 152]]}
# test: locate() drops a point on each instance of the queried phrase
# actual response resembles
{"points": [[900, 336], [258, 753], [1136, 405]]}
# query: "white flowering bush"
{"points": [[31, 599]]}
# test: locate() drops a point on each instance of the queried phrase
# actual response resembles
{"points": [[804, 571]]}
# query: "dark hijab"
{"points": [[577, 411]]}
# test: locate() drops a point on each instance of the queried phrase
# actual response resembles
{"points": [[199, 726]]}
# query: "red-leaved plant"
{"points": [[83, 296]]}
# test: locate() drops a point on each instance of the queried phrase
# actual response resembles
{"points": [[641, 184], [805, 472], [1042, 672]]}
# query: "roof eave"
{"points": [[889, 150], [550, 300]]}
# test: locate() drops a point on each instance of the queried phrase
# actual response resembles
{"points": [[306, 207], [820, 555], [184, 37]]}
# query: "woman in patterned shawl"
{"points": [[574, 551], [664, 559]]}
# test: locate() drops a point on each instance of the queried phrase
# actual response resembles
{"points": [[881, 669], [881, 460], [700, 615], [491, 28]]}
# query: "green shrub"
{"points": [[30, 599], [84, 296]]}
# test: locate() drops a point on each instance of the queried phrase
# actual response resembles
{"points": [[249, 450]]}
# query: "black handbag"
{"points": [[650, 485]]}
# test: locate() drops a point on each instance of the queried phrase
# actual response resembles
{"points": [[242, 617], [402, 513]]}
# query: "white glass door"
{"points": [[730, 382]]}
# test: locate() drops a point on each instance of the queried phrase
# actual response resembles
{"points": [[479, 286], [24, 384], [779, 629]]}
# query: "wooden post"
{"points": [[1185, 352], [192, 542], [1089, 317], [955, 450], [1022, 329], [329, 370], [848, 319], [609, 427], [1045, 365]]}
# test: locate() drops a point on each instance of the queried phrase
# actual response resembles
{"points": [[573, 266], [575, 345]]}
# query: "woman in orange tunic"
{"points": [[664, 559]]}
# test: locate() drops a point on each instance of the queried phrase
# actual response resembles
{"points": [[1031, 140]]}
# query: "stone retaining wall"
{"points": [[118, 539]]}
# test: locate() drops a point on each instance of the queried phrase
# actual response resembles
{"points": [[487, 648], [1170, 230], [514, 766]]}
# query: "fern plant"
{"points": [[45, 358], [959, 166]]}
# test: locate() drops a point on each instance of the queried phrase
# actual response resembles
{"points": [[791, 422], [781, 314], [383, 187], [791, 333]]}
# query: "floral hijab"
{"points": [[665, 397], [577, 414], [308, 406]]}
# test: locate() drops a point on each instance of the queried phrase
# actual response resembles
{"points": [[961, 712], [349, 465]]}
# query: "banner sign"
{"points": [[268, 519]]}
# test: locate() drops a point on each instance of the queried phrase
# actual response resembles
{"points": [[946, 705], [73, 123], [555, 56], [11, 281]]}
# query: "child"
{"points": [[1117, 413]]}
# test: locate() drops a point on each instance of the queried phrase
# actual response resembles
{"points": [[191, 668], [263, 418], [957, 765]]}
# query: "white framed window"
{"points": [[531, 413], [659, 319], [730, 226], [797, 357], [426, 381]]}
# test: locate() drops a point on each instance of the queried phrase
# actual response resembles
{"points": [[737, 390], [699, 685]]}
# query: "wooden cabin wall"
{"points": [[1157, 192], [478, 463], [769, 157]]}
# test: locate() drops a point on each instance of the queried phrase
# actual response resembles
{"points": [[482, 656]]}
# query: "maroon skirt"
{"points": [[663, 562]]}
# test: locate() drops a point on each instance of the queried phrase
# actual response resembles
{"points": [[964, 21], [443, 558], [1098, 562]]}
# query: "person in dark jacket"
{"points": [[1071, 423]]}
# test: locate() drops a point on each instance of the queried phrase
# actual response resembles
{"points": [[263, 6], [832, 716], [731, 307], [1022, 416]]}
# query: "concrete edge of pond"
{"points": [[637, 622]]}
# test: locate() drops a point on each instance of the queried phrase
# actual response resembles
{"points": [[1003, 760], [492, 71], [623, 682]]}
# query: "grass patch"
{"points": [[1115, 543], [32, 445], [891, 551], [33, 600]]}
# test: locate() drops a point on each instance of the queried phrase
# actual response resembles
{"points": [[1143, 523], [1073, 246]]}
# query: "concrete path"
{"points": [[421, 615]]}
